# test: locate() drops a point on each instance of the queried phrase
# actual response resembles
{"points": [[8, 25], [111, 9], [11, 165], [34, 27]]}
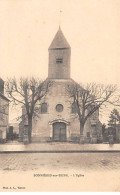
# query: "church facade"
{"points": [[57, 120]]}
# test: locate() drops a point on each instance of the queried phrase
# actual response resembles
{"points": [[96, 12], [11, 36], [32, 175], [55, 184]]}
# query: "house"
{"points": [[4, 113]]}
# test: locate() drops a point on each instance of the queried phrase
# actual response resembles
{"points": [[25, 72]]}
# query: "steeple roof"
{"points": [[59, 41]]}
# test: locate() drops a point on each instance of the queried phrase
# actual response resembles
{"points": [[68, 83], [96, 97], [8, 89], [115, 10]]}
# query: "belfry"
{"points": [[59, 57]]}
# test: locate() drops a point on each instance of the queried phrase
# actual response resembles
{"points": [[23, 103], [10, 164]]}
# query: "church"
{"points": [[57, 120]]}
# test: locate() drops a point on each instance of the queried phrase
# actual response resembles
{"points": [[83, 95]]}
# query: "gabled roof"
{"points": [[59, 41]]}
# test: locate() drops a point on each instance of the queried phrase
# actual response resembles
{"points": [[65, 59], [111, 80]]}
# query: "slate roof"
{"points": [[59, 41]]}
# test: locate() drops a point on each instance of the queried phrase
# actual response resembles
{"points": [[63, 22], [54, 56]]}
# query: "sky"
{"points": [[91, 27]]}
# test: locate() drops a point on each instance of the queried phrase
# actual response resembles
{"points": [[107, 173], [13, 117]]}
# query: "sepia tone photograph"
{"points": [[60, 95]]}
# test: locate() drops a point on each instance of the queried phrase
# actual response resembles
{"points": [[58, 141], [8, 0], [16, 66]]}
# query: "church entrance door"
{"points": [[59, 131]]}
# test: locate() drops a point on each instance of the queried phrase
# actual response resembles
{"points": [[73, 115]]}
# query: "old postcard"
{"points": [[60, 95]]}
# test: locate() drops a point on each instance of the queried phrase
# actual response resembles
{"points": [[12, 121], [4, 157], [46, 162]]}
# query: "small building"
{"points": [[13, 131], [15, 127], [4, 113]]}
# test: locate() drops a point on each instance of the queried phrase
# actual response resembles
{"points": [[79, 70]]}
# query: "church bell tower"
{"points": [[59, 57]]}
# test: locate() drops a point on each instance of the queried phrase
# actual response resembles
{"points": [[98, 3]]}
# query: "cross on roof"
{"points": [[60, 17]]}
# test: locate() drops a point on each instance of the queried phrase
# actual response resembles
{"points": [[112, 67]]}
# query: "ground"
{"points": [[60, 172], [65, 161], [46, 170]]}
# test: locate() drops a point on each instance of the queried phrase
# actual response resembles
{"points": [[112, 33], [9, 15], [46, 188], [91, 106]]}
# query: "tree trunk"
{"points": [[29, 128], [81, 128], [81, 133]]}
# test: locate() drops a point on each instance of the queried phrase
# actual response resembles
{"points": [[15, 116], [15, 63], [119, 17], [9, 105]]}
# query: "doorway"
{"points": [[59, 131]]}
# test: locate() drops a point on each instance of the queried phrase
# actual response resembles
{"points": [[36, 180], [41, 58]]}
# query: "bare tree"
{"points": [[88, 98], [27, 92]]}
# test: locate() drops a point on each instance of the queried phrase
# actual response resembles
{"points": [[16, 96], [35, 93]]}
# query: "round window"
{"points": [[59, 107]]}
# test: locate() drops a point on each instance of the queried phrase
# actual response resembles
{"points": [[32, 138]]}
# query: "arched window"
{"points": [[74, 107], [43, 108]]}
